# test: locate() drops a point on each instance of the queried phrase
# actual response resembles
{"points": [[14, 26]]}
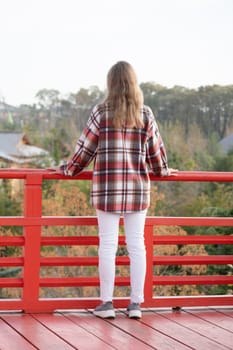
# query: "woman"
{"points": [[122, 137]]}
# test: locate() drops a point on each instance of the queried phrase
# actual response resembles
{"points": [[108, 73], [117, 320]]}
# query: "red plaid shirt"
{"points": [[122, 159]]}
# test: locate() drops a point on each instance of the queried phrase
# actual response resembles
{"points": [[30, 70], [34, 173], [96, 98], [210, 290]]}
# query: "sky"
{"points": [[71, 44]]}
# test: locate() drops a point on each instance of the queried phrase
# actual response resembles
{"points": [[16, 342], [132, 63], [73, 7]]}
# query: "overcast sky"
{"points": [[68, 44]]}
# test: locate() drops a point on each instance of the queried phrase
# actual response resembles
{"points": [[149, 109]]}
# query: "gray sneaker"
{"points": [[105, 310], [134, 311]]}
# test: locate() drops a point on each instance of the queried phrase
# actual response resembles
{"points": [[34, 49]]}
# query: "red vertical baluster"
{"points": [[148, 290], [32, 234]]}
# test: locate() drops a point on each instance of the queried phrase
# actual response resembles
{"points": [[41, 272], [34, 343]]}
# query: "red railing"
{"points": [[32, 240]]}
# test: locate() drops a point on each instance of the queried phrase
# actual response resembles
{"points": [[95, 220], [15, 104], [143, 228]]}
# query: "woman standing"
{"points": [[122, 137]]}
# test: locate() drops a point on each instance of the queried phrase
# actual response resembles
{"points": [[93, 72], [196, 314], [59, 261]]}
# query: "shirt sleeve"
{"points": [[156, 156], [86, 147]]}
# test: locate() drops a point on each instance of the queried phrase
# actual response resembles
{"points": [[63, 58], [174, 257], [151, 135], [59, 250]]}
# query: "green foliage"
{"points": [[55, 122], [224, 162], [215, 249], [210, 107], [9, 205]]}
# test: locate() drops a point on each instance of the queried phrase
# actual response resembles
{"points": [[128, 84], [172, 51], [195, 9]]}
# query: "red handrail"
{"points": [[31, 261]]}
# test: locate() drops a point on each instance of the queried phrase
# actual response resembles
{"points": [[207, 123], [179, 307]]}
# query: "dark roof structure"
{"points": [[227, 143]]}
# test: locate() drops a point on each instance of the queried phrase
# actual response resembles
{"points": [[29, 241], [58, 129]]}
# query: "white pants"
{"points": [[108, 242]]}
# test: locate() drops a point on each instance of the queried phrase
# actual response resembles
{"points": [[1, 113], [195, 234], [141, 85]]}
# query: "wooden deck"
{"points": [[163, 329]]}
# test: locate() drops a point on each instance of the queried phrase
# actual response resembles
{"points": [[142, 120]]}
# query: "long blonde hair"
{"points": [[124, 96]]}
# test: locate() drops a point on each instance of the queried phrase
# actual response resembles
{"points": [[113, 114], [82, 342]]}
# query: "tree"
{"points": [[47, 98], [215, 109]]}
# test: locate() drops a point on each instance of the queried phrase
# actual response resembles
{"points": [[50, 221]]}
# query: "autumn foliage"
{"points": [[72, 198]]}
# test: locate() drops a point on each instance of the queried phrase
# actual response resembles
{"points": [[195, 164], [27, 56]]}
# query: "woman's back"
{"points": [[120, 176]]}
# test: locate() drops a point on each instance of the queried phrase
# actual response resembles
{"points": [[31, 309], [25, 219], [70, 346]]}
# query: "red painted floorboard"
{"points": [[159, 329], [219, 319], [147, 334], [37, 334], [176, 331], [216, 337], [75, 335], [111, 333], [10, 339]]}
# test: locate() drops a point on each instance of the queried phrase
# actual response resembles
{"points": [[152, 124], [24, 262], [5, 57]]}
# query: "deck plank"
{"points": [[185, 336], [112, 335], [148, 335], [37, 334], [10, 339], [218, 337], [71, 332], [219, 319], [228, 312]]}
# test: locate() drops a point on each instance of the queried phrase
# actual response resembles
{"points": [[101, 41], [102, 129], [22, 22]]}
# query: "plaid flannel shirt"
{"points": [[122, 159]]}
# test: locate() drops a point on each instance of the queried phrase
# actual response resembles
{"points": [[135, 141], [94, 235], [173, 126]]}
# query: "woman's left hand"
{"points": [[55, 170]]}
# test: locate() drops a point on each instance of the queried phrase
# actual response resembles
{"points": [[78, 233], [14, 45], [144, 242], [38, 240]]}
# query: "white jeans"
{"points": [[108, 242]]}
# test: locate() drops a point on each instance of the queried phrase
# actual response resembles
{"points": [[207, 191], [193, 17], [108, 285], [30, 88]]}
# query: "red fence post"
{"points": [[32, 234], [148, 289]]}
